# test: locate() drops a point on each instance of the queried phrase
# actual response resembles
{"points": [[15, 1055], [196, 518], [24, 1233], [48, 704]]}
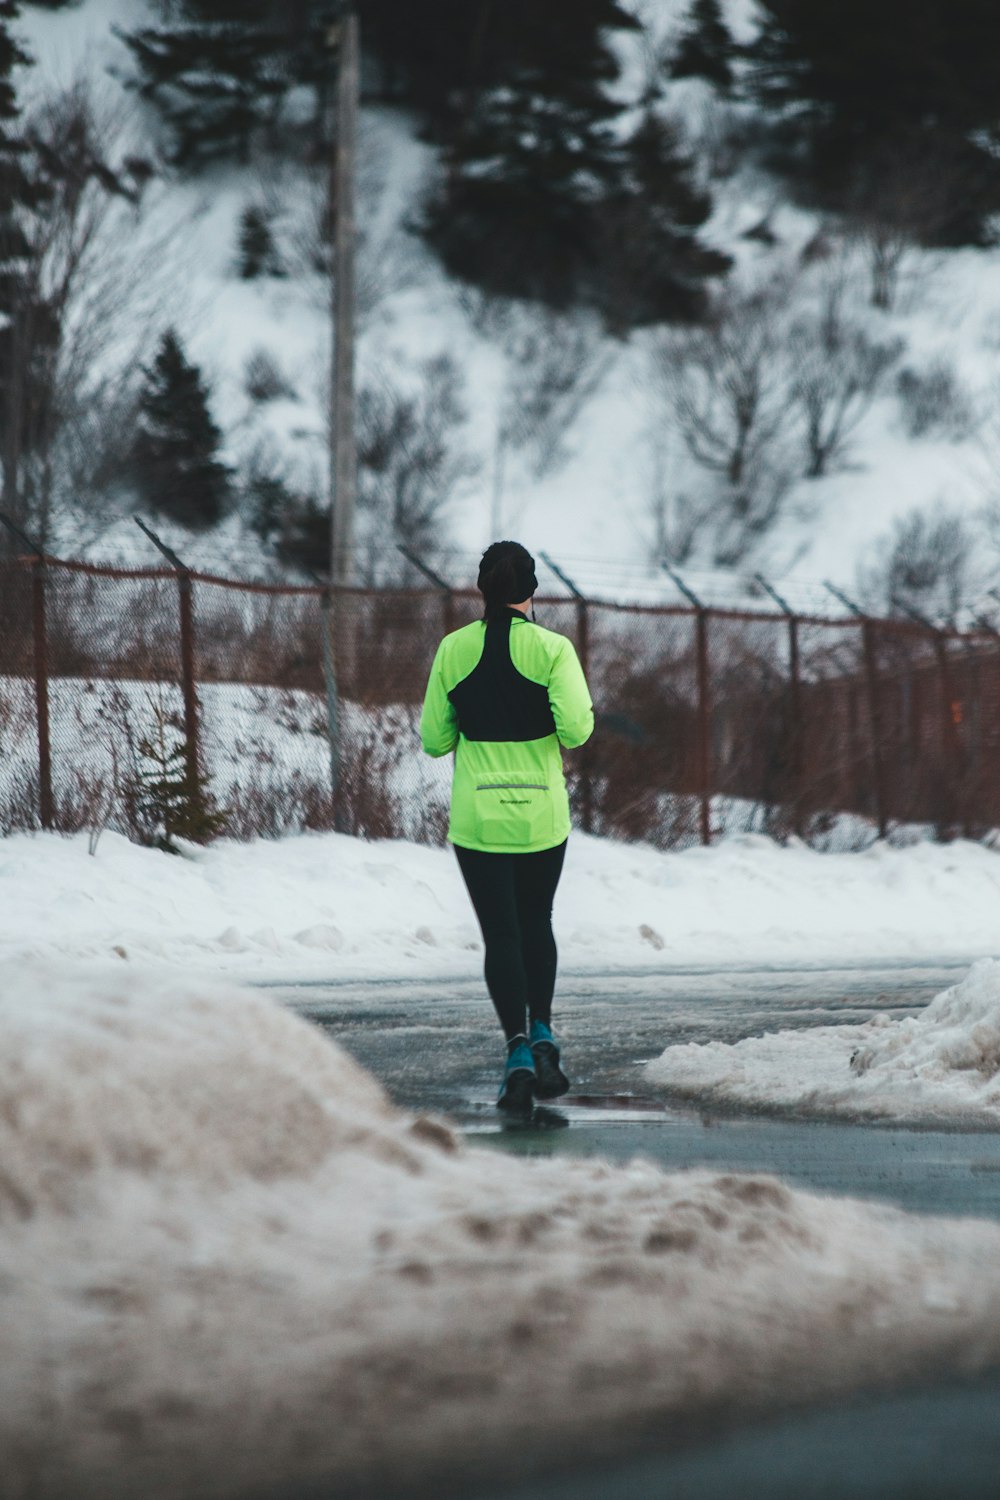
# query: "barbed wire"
{"points": [[612, 580]]}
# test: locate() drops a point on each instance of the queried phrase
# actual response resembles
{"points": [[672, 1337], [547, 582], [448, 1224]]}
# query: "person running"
{"points": [[504, 694]]}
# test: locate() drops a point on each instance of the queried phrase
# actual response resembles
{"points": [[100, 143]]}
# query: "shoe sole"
{"points": [[550, 1080], [518, 1097]]}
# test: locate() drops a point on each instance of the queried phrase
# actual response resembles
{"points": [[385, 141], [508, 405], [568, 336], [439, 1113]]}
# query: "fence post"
{"points": [[583, 640], [875, 719], [951, 712], [795, 684], [332, 701], [874, 704], [188, 682], [330, 693], [983, 734], [41, 655], [951, 741], [186, 597], [40, 662], [704, 704]]}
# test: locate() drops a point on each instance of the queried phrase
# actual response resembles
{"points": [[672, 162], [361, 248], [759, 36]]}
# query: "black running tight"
{"points": [[512, 895]]}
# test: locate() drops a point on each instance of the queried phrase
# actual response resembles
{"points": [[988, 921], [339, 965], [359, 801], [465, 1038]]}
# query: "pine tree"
{"points": [[515, 208], [18, 192], [707, 48], [211, 83], [175, 457], [654, 265], [844, 82], [271, 502], [258, 254], [439, 56], [295, 526], [23, 321], [220, 73], [172, 798], [534, 154]]}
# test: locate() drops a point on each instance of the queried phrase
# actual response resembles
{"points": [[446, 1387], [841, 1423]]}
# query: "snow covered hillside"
{"points": [[614, 484], [228, 1263]]}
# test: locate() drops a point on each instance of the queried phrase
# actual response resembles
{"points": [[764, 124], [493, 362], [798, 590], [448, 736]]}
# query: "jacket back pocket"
{"points": [[513, 813]]}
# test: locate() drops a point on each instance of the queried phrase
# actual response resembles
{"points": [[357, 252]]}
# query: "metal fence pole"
{"points": [[874, 705], [188, 683], [704, 728], [951, 740], [330, 692], [795, 686], [982, 732], [583, 644], [875, 720], [704, 705], [189, 688], [332, 701], [46, 809], [40, 661]]}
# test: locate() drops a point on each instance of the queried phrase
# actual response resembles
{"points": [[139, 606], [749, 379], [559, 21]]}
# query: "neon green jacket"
{"points": [[505, 694]]}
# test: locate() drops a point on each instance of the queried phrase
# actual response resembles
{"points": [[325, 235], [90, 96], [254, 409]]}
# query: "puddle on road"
{"points": [[576, 1110], [924, 1171]]}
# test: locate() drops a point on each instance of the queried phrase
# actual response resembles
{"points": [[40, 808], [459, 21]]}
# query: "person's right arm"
{"points": [[438, 721], [569, 698]]}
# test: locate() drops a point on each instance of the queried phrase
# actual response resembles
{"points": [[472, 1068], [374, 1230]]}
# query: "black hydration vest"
{"points": [[495, 702]]}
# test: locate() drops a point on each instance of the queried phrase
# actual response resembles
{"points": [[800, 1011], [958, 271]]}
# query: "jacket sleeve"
{"points": [[438, 723], [569, 698]]}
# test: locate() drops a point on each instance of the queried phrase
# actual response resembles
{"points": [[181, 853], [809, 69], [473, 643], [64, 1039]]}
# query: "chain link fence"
{"points": [[298, 709]]}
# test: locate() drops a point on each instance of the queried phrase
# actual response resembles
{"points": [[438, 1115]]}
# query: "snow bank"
{"points": [[226, 1260], [325, 905], [940, 1065]]}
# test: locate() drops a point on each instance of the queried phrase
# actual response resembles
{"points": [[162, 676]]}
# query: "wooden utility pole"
{"points": [[343, 450]]}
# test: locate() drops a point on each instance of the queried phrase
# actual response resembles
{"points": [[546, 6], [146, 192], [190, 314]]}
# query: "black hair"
{"points": [[506, 576]]}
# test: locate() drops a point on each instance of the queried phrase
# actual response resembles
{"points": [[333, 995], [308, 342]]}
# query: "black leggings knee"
{"points": [[512, 895]]}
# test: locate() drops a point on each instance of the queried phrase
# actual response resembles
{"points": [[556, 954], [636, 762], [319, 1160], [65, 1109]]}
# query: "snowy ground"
{"points": [[940, 1066], [329, 906], [228, 1261]]}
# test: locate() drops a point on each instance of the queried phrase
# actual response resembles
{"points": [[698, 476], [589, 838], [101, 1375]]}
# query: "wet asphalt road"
{"points": [[435, 1047]]}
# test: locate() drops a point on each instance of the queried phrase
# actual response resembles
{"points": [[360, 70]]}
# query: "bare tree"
{"points": [[927, 562], [673, 520], [837, 372], [95, 280], [411, 465], [900, 197], [263, 378], [935, 402], [727, 386], [553, 364]]}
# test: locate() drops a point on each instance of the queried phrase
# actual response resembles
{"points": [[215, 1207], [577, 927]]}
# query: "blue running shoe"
{"points": [[550, 1080], [517, 1091]]}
